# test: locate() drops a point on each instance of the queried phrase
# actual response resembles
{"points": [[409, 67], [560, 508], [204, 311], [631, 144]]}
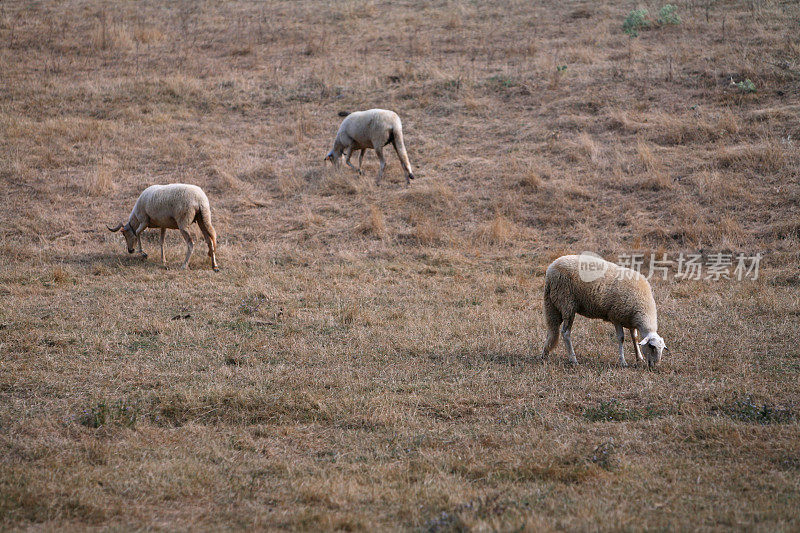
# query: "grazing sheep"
{"points": [[590, 286], [374, 128], [174, 206]]}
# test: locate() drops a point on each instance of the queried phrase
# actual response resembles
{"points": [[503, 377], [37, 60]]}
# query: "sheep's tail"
{"points": [[400, 148], [552, 317], [344, 113]]}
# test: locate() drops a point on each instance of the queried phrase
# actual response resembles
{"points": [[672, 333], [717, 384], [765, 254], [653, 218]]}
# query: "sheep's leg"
{"points": [[138, 233], [400, 148], [349, 151], [566, 329], [379, 152], [552, 317], [189, 247], [636, 348], [360, 159], [211, 240], [621, 340], [161, 240], [139, 244]]}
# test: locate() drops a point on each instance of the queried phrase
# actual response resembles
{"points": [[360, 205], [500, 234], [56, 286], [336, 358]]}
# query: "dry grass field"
{"points": [[368, 357]]}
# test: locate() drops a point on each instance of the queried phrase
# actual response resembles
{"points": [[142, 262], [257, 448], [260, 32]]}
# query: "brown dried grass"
{"points": [[324, 380]]}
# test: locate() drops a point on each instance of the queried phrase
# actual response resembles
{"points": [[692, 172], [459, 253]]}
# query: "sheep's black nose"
{"points": [[130, 250]]}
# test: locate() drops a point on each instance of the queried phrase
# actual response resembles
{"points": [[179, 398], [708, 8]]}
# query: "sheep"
{"points": [[174, 206], [590, 286], [374, 128]]}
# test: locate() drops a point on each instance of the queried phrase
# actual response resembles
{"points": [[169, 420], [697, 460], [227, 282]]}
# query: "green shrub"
{"points": [[746, 86], [668, 15], [635, 21]]}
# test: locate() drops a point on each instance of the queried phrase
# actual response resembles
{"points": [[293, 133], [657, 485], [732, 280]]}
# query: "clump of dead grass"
{"points": [[619, 120], [289, 183], [715, 186], [671, 130], [425, 230], [530, 180], [108, 35], [148, 34], [373, 223], [310, 218], [498, 231], [648, 160], [588, 148], [342, 182], [768, 157], [780, 112], [436, 197], [60, 274], [100, 181]]}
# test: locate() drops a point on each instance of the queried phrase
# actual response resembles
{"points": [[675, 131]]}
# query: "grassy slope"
{"points": [[367, 356]]}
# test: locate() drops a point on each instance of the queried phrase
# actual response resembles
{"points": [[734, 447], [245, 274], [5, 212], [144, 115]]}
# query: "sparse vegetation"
{"points": [[104, 413], [613, 411], [750, 410], [636, 21], [668, 15], [368, 357], [745, 86]]}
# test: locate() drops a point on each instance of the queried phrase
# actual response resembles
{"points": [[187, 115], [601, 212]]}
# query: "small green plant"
{"points": [[746, 86], [103, 414], [561, 68], [613, 411], [502, 81], [668, 15], [750, 410], [635, 21]]}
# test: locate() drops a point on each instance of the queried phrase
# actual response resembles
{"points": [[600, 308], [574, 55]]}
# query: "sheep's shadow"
{"points": [[108, 259], [597, 363], [122, 261]]}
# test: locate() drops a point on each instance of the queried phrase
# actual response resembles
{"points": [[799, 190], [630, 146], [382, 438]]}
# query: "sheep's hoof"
{"points": [[215, 269], [572, 362], [623, 364]]}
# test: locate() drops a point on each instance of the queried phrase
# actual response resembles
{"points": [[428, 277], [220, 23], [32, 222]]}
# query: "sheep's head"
{"points": [[334, 157], [652, 348], [127, 232]]}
